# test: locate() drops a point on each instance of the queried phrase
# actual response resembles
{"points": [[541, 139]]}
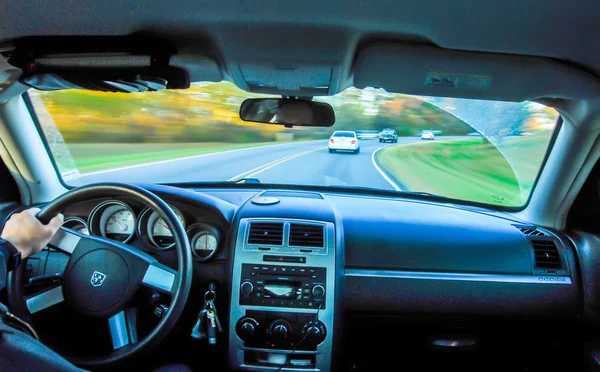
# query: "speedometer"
{"points": [[158, 232]]}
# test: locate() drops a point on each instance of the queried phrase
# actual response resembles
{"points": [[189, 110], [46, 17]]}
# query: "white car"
{"points": [[427, 136], [344, 140]]}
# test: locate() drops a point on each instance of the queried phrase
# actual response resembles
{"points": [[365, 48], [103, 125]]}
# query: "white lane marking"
{"points": [[261, 168], [183, 158], [385, 176]]}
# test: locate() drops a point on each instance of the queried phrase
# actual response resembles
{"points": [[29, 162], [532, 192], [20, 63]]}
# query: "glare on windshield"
{"points": [[479, 151]]}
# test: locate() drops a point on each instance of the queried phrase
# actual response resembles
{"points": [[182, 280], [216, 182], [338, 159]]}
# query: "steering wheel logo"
{"points": [[97, 279]]}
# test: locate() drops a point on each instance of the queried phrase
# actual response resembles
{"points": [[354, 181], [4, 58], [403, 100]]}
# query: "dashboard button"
{"points": [[246, 288], [318, 291]]}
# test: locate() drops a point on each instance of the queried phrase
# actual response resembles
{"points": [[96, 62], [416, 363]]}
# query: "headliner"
{"points": [[325, 31]]}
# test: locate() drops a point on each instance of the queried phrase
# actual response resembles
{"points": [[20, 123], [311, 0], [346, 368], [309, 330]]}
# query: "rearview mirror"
{"points": [[287, 112]]}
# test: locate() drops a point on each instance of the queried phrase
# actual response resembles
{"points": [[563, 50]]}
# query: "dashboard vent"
{"points": [[269, 233], [303, 235], [530, 230], [546, 254]]}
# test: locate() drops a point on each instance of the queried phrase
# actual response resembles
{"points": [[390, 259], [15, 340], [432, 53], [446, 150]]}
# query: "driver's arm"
{"points": [[23, 233]]}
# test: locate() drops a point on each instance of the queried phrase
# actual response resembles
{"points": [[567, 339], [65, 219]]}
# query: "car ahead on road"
{"points": [[388, 135], [427, 136], [344, 140]]}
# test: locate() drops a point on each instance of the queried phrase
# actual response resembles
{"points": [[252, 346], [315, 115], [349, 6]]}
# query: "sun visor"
{"points": [[432, 71], [128, 64]]}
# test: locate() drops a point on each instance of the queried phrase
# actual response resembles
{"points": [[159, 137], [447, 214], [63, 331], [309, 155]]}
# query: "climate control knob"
{"points": [[279, 330], [246, 328], [246, 288], [318, 291], [315, 332]]}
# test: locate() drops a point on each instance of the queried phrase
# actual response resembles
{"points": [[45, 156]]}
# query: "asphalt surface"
{"points": [[304, 163]]}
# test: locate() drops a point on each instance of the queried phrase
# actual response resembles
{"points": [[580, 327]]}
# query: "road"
{"points": [[303, 163]]}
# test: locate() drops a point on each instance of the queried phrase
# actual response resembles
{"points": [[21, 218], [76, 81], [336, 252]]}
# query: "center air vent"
{"points": [[546, 254], [268, 233], [303, 235]]}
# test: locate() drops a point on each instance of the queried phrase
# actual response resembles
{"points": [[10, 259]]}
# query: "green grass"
{"points": [[104, 156], [468, 169]]}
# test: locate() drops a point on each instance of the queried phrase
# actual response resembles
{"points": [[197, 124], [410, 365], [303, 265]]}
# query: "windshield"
{"points": [[483, 151], [343, 134]]}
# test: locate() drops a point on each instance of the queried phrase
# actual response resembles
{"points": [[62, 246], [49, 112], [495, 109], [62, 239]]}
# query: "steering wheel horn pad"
{"points": [[100, 280]]}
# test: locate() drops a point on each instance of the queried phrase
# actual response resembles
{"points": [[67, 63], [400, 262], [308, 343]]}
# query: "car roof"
{"points": [[326, 46], [344, 131], [532, 27]]}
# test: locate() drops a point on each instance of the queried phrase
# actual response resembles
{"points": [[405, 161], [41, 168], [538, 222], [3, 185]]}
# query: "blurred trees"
{"points": [[208, 112]]}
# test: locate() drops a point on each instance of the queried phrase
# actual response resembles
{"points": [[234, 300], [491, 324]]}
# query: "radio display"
{"points": [[282, 289]]}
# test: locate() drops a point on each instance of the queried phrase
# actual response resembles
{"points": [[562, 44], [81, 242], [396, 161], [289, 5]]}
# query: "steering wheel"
{"points": [[103, 275]]}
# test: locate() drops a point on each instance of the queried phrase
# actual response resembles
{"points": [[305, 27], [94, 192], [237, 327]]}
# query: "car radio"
{"points": [[283, 286]]}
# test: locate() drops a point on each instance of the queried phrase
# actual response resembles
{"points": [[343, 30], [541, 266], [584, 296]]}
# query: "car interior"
{"points": [[308, 277]]}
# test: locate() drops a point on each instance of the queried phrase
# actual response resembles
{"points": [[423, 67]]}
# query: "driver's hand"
{"points": [[27, 233]]}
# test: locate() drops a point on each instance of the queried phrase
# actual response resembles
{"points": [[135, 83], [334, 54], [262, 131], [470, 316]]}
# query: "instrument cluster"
{"points": [[116, 220]]}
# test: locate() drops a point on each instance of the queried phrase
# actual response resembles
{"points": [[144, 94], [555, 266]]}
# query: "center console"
{"points": [[282, 296]]}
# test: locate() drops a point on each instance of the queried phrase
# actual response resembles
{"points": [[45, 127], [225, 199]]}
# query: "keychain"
{"points": [[208, 324]]}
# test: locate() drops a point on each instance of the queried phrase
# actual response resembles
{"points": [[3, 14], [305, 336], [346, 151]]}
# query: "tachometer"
{"points": [[113, 220], [204, 240], [119, 225]]}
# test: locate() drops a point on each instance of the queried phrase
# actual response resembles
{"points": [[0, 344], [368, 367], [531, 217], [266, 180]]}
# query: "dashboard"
{"points": [[332, 267]]}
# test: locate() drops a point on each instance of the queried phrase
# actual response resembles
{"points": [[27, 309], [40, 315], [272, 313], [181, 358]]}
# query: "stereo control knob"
{"points": [[279, 330], [246, 328], [318, 291], [246, 288], [315, 332]]}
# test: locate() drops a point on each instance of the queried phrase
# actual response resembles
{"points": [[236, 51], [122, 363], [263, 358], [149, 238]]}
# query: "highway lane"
{"points": [[303, 163]]}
